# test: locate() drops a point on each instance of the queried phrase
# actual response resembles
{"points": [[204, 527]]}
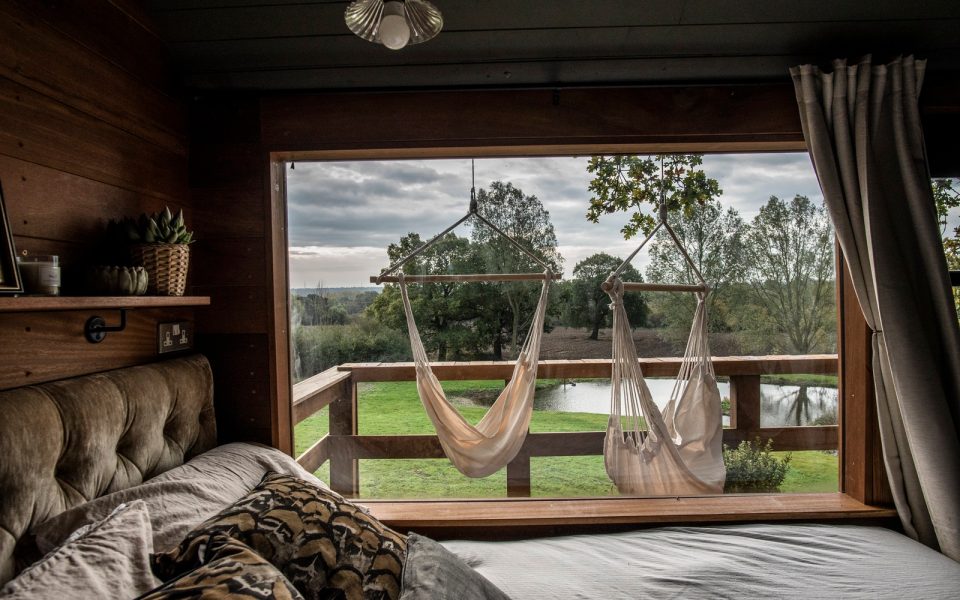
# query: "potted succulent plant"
{"points": [[160, 244]]}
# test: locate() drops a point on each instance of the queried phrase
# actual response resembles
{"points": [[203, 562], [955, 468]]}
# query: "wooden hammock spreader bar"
{"points": [[466, 277], [629, 286]]}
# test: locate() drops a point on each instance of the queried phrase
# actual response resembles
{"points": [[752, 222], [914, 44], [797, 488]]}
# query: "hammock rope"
{"points": [[676, 451], [481, 450]]}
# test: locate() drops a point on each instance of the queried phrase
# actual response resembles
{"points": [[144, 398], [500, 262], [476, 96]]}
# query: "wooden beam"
{"points": [[465, 278], [596, 368], [317, 454], [344, 469], [315, 393], [861, 468], [745, 404], [565, 443], [578, 120]]}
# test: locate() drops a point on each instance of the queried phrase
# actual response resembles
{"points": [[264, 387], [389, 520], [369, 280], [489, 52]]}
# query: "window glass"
{"points": [[753, 224]]}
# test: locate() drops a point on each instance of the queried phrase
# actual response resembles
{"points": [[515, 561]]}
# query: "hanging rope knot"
{"points": [[613, 286]]}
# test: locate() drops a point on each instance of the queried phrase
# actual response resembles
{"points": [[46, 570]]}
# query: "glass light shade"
{"points": [[394, 33], [367, 19]]}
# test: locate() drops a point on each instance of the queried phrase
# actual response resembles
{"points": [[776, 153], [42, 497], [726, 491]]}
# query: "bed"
{"points": [[115, 482]]}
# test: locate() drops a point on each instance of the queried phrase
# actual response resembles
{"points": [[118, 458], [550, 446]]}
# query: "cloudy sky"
{"points": [[342, 215]]}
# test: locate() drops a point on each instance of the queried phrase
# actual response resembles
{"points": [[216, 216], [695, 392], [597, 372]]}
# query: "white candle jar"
{"points": [[40, 274]]}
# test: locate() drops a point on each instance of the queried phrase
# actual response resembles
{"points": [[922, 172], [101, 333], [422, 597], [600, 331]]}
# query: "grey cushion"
{"points": [[67, 442], [432, 572], [184, 496], [111, 559]]}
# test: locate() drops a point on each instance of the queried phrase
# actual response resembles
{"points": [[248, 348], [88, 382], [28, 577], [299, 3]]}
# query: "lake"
{"points": [[780, 405]]}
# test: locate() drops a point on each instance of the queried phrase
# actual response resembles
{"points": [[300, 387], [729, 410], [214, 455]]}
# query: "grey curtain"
{"points": [[862, 127]]}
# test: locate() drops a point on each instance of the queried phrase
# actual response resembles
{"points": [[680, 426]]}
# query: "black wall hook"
{"points": [[96, 328]]}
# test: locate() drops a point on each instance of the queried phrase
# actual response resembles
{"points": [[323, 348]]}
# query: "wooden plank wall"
{"points": [[228, 181], [90, 129]]}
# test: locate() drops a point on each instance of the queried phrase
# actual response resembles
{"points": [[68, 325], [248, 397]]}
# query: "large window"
{"points": [[752, 223]]}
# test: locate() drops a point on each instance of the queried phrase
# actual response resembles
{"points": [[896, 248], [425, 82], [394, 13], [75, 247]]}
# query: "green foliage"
{"points": [[158, 228], [713, 239], [468, 320], [318, 348], [789, 260], [446, 313], [505, 316], [318, 309], [752, 467], [623, 183], [587, 305], [945, 199]]}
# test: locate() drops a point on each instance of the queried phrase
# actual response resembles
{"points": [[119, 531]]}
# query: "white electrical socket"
{"points": [[174, 337]]}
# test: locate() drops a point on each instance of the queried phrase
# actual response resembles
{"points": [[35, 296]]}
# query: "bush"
{"points": [[317, 348], [752, 468]]}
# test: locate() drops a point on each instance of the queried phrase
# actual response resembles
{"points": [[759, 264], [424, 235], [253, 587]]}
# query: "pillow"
{"points": [[183, 497], [318, 540], [111, 559], [434, 573], [230, 570]]}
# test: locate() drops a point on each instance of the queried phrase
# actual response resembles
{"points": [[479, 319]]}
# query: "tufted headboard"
{"points": [[66, 442]]}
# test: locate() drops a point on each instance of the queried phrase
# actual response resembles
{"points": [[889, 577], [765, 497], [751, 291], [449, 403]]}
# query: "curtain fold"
{"points": [[861, 124]]}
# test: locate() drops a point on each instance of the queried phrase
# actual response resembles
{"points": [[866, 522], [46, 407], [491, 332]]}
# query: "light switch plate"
{"points": [[174, 337]]}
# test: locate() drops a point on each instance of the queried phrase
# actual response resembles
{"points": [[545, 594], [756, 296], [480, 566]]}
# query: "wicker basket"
{"points": [[166, 266]]}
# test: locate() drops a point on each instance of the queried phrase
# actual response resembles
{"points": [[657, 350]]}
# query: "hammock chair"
{"points": [[679, 450], [481, 450]]}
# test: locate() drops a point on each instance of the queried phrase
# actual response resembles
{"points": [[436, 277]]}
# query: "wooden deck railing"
{"points": [[343, 447]]}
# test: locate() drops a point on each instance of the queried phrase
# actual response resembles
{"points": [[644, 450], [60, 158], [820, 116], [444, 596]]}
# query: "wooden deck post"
{"points": [[745, 405], [344, 468], [518, 476]]}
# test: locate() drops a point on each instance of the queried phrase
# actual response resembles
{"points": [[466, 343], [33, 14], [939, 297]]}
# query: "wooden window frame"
{"points": [[525, 123]]}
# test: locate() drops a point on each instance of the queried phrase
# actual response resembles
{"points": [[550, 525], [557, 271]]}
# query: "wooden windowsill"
{"points": [[468, 517]]}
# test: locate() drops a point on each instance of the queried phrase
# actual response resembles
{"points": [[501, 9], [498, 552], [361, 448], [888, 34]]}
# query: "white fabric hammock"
{"points": [[478, 451], [680, 450]]}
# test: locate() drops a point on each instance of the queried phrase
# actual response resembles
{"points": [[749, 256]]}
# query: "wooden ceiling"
{"points": [[291, 44]]}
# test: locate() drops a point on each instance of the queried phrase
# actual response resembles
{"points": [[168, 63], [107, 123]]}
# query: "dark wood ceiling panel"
{"points": [[276, 44], [211, 20], [535, 74]]}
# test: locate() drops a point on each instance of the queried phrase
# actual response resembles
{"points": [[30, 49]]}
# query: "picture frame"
{"points": [[10, 280]]}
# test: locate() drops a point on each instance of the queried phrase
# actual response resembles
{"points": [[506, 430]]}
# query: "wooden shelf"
{"points": [[54, 303]]}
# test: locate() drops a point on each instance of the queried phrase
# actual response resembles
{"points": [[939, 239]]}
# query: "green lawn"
{"points": [[394, 408]]}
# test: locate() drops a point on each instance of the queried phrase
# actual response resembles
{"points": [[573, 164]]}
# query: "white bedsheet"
{"points": [[732, 561]]}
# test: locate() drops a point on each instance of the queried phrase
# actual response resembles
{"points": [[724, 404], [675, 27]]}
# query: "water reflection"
{"points": [[780, 405]]}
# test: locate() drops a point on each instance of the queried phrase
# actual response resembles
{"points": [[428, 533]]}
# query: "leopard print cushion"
{"points": [[318, 540], [230, 570]]}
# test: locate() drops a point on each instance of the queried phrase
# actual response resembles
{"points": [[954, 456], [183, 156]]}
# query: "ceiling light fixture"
{"points": [[393, 23]]}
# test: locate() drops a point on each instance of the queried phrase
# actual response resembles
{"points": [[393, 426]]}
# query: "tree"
{"points": [[789, 247], [589, 306], [945, 199], [524, 219], [713, 239], [444, 313], [319, 309], [623, 183]]}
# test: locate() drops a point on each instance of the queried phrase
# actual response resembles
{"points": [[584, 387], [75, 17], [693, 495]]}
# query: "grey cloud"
{"points": [[373, 203]]}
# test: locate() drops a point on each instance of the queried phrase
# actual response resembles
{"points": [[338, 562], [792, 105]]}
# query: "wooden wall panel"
{"points": [[58, 67], [85, 135], [41, 347], [723, 117]]}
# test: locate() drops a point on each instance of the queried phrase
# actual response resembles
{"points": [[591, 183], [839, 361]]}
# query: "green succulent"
{"points": [[158, 228]]}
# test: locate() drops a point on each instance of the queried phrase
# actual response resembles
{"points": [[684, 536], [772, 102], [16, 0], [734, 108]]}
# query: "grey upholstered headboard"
{"points": [[66, 442]]}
